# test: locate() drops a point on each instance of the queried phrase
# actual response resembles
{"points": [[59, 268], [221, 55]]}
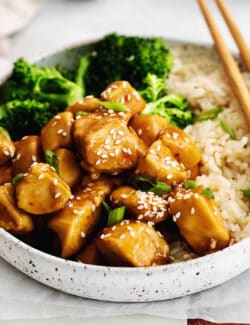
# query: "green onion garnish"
{"points": [[208, 193], [81, 113], [115, 106], [246, 192], [116, 215], [160, 188], [52, 160], [17, 178], [210, 114], [228, 130], [190, 184], [4, 133]]}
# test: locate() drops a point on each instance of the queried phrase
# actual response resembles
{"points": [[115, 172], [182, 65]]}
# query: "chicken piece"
{"points": [[28, 151], [91, 255], [12, 219], [105, 144], [132, 243], [88, 104], [69, 167], [198, 220], [5, 173], [57, 133], [122, 91], [148, 127], [144, 206], [160, 164], [41, 190], [77, 221], [7, 149], [181, 145]]}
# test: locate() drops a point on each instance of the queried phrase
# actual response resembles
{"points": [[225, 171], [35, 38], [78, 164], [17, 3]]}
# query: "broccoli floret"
{"points": [[172, 107], [40, 83], [119, 57], [27, 116]]}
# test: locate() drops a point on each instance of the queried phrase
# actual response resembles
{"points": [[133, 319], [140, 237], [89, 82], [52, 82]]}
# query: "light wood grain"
{"points": [[237, 35], [229, 63]]}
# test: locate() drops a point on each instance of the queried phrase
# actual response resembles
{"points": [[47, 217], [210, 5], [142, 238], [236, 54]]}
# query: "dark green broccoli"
{"points": [[173, 107], [118, 57], [81, 70], [25, 117], [40, 83]]}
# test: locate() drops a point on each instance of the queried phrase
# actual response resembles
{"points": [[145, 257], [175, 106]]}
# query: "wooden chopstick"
{"points": [[228, 61], [237, 35]]}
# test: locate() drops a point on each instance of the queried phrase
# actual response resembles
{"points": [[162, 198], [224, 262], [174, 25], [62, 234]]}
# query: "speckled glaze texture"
{"points": [[116, 283]]}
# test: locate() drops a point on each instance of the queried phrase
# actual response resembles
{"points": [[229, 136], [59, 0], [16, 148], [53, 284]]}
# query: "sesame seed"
{"points": [[57, 117], [118, 141], [71, 197], [98, 162], [55, 181], [57, 195], [93, 208], [6, 152], [132, 234], [54, 123], [83, 235], [122, 100], [25, 137], [33, 158], [41, 176], [18, 156], [122, 236], [139, 131], [64, 134], [112, 154], [77, 211], [120, 132], [124, 84], [192, 211], [124, 196], [60, 131], [89, 96], [70, 204]]}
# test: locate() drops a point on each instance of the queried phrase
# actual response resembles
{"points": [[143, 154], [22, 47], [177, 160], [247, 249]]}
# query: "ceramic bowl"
{"points": [[122, 284]]}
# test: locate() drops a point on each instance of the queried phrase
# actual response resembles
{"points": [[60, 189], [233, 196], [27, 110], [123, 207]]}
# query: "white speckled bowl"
{"points": [[117, 283]]}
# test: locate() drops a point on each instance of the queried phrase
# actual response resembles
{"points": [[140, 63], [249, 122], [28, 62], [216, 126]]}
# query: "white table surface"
{"points": [[64, 22]]}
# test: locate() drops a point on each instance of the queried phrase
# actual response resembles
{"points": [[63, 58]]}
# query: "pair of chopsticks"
{"points": [[228, 61]]}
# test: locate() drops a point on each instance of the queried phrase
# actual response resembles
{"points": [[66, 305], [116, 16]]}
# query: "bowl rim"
{"points": [[173, 266]]}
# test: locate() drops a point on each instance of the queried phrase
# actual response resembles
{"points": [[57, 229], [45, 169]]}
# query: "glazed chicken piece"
{"points": [[91, 255], [41, 190], [88, 104], [7, 149], [181, 145], [123, 92], [69, 166], [12, 219], [28, 151], [132, 243], [198, 220], [5, 173], [80, 217], [148, 127], [105, 144], [160, 164], [144, 206], [57, 133]]}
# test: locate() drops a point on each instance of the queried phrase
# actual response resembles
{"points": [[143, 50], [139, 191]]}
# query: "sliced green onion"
{"points": [[144, 181], [160, 188], [52, 160], [4, 133], [190, 184], [228, 130], [246, 192], [208, 193], [210, 114], [81, 113], [107, 208], [115, 106], [116, 216], [17, 178]]}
